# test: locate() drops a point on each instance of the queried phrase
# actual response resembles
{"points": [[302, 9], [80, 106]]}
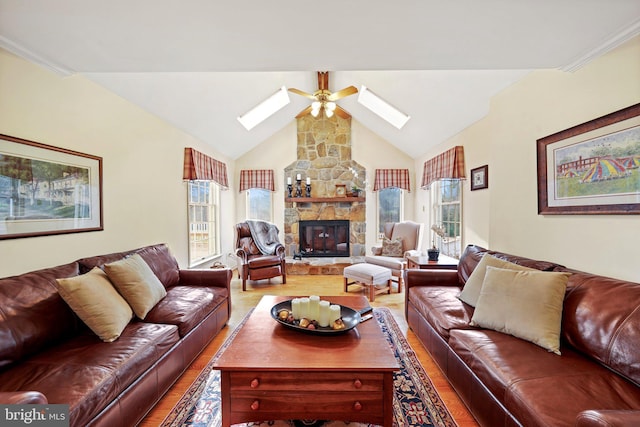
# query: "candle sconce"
{"points": [[298, 188]]}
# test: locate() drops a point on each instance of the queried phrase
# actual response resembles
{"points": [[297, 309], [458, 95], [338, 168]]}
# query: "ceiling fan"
{"points": [[323, 99]]}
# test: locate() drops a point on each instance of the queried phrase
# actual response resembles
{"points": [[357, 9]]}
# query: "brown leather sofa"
{"points": [[507, 381], [48, 355]]}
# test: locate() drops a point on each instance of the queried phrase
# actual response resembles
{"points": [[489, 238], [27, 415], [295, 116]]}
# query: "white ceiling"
{"points": [[199, 64]]}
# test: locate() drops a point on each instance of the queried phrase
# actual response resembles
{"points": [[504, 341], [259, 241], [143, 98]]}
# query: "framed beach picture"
{"points": [[592, 168], [47, 190]]}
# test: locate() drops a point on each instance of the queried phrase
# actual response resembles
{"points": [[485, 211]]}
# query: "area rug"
{"points": [[415, 400]]}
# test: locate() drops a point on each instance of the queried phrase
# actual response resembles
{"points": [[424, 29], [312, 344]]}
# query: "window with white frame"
{"points": [[390, 207], [446, 202], [204, 238], [259, 204]]}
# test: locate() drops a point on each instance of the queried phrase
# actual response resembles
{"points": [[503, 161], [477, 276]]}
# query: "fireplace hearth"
{"points": [[325, 238]]}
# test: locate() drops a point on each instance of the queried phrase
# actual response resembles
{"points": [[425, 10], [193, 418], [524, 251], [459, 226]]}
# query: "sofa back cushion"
{"points": [[32, 313], [601, 317], [158, 257]]}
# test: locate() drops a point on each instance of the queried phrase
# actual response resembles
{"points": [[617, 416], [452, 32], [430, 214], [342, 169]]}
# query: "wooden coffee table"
{"points": [[271, 372]]}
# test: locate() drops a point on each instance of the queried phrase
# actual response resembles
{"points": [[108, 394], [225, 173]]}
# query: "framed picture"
{"points": [[47, 190], [480, 178], [341, 190], [592, 168]]}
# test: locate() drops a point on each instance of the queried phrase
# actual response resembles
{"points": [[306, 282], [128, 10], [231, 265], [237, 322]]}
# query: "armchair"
{"points": [[411, 234], [261, 254]]}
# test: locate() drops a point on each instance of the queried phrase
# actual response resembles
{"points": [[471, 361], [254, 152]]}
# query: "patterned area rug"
{"points": [[415, 400]]}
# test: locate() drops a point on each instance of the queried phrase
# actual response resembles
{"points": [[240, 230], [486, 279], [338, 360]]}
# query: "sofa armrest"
{"points": [[431, 278], [608, 418], [22, 398], [220, 277]]}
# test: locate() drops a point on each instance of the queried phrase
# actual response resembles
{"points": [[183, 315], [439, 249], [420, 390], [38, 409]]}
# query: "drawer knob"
{"points": [[357, 406], [357, 384], [255, 405], [255, 383]]}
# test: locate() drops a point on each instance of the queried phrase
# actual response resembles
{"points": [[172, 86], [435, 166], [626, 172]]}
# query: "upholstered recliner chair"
{"points": [[392, 254], [261, 254]]}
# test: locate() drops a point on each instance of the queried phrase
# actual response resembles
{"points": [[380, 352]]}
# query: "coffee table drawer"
{"points": [[341, 406], [295, 381]]}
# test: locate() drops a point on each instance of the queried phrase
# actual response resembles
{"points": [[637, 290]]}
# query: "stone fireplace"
{"points": [[324, 156], [324, 238]]}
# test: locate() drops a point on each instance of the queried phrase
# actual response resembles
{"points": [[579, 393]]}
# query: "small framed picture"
{"points": [[480, 178], [341, 190]]}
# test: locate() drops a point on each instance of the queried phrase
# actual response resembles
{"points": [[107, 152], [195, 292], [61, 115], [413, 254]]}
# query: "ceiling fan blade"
{"points": [[302, 93], [341, 112], [342, 93], [304, 112]]}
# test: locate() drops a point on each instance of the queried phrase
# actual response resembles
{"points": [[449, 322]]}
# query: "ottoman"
{"points": [[368, 275]]}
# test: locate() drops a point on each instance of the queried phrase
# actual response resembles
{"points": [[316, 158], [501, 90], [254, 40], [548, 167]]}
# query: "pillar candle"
{"points": [[295, 308], [334, 313], [298, 178], [288, 180], [304, 308], [308, 180], [323, 318], [314, 310]]}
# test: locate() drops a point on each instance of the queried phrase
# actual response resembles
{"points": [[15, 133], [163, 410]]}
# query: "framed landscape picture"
{"points": [[47, 190], [592, 168]]}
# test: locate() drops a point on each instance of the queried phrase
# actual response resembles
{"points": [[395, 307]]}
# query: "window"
{"points": [[259, 204], [390, 207], [204, 239], [447, 210]]}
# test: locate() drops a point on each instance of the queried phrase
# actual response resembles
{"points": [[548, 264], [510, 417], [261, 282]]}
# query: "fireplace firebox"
{"points": [[324, 238]]}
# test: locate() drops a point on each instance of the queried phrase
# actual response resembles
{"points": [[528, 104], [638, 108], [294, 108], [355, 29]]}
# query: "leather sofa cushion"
{"points": [[158, 257], [33, 315], [440, 306], [186, 306], [601, 318], [264, 261], [514, 370], [94, 372]]}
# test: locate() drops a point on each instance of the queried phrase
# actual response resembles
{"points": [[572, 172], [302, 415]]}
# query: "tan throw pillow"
{"points": [[137, 283], [525, 304], [392, 248], [472, 287], [96, 302]]}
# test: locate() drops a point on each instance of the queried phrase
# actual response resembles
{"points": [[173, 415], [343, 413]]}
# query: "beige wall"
{"points": [[367, 148], [504, 217], [144, 197]]}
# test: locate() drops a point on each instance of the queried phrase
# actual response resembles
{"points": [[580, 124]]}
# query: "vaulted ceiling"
{"points": [[198, 64]]}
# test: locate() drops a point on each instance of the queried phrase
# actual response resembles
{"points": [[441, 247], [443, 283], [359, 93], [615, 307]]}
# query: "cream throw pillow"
{"points": [[137, 283], [472, 287], [525, 304], [93, 298]]}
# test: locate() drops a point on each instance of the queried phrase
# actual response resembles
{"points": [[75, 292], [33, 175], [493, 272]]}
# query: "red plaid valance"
{"points": [[387, 178], [257, 178], [200, 167], [447, 165]]}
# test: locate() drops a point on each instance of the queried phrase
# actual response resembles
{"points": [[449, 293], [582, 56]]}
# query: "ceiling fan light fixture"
{"points": [[382, 108], [330, 106], [328, 113], [265, 109]]}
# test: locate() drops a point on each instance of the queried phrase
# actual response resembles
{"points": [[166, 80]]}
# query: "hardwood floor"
{"points": [[242, 302]]}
